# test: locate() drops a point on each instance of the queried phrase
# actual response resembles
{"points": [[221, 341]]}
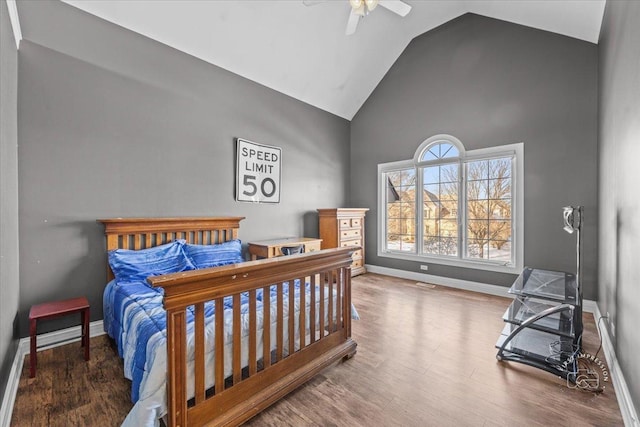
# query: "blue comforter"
{"points": [[135, 319]]}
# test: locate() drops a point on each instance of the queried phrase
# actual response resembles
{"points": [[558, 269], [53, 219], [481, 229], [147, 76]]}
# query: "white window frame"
{"points": [[517, 189]]}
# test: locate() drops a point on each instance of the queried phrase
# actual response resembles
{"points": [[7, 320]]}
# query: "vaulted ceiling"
{"points": [[302, 50]]}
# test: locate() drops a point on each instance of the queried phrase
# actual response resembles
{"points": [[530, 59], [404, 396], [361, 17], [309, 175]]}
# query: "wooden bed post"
{"points": [[176, 364], [347, 304]]}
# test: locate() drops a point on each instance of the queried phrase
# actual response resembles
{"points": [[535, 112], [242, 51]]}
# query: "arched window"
{"points": [[437, 148], [453, 206]]}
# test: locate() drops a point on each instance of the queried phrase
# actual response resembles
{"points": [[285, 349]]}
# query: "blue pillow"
{"points": [[130, 265], [205, 256]]}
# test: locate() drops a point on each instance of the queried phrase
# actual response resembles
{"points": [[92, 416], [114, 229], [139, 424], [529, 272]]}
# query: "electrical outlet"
{"points": [[612, 326], [424, 267]]}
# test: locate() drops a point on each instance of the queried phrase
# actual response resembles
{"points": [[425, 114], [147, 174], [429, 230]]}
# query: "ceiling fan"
{"points": [[361, 8]]}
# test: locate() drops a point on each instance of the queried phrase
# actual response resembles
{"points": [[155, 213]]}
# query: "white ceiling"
{"points": [[303, 51]]}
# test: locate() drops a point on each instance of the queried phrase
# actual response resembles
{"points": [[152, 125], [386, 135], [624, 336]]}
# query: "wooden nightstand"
{"points": [[49, 310], [271, 248]]}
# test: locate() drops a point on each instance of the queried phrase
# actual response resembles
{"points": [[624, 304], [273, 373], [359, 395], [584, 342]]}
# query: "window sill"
{"points": [[475, 265]]}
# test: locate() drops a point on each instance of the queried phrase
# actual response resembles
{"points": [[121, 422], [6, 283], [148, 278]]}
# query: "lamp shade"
{"points": [[572, 218]]}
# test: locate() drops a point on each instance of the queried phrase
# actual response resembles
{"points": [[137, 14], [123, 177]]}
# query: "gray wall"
{"points": [[113, 124], [619, 151], [9, 279], [488, 83]]}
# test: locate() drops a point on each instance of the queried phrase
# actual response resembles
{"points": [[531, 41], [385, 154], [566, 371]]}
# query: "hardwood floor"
{"points": [[426, 357]]}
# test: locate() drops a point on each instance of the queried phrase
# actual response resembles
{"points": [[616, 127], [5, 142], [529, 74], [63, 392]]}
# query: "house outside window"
{"points": [[455, 207]]}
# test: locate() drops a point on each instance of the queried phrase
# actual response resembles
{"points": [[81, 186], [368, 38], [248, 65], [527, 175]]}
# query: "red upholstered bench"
{"points": [[49, 310]]}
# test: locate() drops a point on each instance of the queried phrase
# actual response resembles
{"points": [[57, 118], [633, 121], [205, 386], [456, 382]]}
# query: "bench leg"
{"points": [[33, 356], [85, 332]]}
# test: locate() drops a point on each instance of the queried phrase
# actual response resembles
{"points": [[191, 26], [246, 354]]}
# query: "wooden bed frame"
{"points": [[247, 391]]}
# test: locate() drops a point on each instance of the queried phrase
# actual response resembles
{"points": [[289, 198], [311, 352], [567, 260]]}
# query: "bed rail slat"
{"points": [[312, 311], [237, 329], [199, 353], [347, 302], [125, 242], [137, 242], [292, 315], [253, 333], [321, 319], [330, 316], [280, 324], [219, 373], [303, 309], [266, 332], [339, 312]]}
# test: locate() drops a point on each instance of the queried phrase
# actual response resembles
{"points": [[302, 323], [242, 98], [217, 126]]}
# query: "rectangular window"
{"points": [[440, 185], [488, 206], [463, 211], [401, 210]]}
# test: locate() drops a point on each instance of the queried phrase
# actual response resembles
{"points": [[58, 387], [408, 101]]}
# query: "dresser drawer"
{"points": [[312, 246], [350, 223], [357, 254], [350, 234], [357, 263], [347, 243]]}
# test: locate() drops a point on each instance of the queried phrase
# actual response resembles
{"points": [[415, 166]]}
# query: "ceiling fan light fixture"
{"points": [[363, 7]]}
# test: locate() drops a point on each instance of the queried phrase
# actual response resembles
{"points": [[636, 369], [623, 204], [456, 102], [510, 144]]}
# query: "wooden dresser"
{"points": [[344, 227]]}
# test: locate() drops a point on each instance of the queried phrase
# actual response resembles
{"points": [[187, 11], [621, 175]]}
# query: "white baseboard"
{"points": [[45, 341], [6, 410], [628, 410], [588, 306], [484, 288]]}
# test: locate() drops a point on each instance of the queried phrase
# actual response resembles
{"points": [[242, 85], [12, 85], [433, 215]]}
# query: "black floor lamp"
{"points": [[573, 219]]}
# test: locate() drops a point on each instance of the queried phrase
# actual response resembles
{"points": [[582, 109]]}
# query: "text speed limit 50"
{"points": [[259, 171]]}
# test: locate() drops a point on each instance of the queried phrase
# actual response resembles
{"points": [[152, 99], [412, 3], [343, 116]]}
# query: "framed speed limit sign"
{"points": [[258, 172]]}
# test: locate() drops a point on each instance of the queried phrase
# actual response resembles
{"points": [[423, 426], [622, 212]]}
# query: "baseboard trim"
{"points": [[45, 341], [6, 410], [484, 288], [628, 410], [588, 306], [61, 337]]}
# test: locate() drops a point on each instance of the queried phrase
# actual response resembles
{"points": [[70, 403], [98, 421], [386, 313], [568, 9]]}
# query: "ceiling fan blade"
{"points": [[352, 23], [313, 2], [396, 6]]}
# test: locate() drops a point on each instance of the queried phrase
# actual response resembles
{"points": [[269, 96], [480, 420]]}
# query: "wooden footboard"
{"points": [[312, 331]]}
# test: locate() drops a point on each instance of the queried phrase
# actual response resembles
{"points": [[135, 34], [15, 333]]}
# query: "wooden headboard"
{"points": [[142, 233]]}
